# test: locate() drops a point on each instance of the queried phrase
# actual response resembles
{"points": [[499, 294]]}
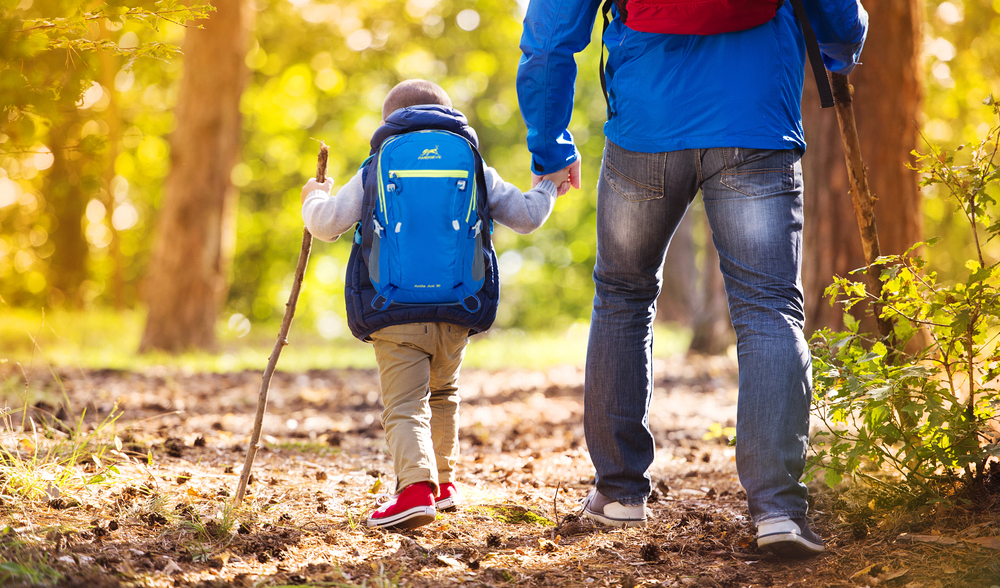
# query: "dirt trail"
{"points": [[523, 471]]}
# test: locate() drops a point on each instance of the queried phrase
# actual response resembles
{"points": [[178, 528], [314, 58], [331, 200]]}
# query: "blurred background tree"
{"points": [[189, 273], [888, 91], [92, 109]]}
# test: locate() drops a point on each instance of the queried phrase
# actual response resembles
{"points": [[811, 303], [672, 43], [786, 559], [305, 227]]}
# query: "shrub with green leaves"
{"points": [[927, 417]]}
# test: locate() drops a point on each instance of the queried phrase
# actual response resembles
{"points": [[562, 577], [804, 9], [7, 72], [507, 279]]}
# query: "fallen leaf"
{"points": [[987, 542], [171, 568], [893, 575], [449, 561], [940, 539]]}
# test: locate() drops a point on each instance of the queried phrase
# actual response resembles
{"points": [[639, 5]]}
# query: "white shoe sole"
{"points": [[604, 520], [417, 516], [789, 545], [446, 503]]}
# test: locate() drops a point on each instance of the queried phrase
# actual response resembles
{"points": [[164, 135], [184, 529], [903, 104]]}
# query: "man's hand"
{"points": [[564, 179], [312, 185]]}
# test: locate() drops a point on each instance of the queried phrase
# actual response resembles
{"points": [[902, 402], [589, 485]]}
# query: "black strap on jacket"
{"points": [[812, 50], [815, 58]]}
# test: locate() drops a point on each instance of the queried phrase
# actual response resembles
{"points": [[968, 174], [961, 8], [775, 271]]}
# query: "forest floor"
{"points": [[158, 513]]}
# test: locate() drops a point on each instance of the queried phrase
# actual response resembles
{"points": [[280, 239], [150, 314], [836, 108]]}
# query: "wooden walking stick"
{"points": [[861, 196], [286, 323]]}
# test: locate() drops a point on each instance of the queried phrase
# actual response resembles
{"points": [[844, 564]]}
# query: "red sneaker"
{"points": [[447, 498], [413, 507]]}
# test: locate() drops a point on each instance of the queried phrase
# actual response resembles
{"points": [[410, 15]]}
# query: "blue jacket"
{"points": [[672, 92], [358, 290]]}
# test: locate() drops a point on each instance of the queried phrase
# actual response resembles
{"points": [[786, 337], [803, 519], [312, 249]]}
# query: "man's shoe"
{"points": [[598, 507], [413, 507], [447, 498], [789, 538]]}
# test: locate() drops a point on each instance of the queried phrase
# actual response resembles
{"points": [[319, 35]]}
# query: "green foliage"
{"points": [[325, 82], [44, 55], [328, 83], [960, 64], [926, 417], [511, 514], [23, 564], [38, 459], [62, 63]]}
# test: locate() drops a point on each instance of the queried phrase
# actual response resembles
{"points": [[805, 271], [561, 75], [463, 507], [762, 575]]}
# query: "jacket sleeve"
{"points": [[522, 212], [327, 218], [841, 27], [554, 30]]}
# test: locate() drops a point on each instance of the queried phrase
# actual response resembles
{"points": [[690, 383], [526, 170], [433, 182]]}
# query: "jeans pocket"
{"points": [[759, 172], [635, 176]]}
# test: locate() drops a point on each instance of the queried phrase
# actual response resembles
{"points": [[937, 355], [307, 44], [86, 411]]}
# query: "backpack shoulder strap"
{"points": [[605, 10], [815, 57]]}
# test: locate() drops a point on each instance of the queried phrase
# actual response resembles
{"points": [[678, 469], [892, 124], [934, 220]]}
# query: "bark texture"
{"points": [[187, 281], [65, 192], [887, 108]]}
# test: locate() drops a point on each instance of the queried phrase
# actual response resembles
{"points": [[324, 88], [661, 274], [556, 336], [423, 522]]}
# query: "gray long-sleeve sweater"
{"points": [[328, 218]]}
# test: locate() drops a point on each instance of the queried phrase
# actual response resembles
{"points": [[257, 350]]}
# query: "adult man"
{"points": [[719, 113]]}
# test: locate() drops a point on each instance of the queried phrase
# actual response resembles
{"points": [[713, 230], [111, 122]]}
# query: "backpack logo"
{"points": [[430, 153]]}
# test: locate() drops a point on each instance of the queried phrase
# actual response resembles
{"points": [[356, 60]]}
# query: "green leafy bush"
{"points": [[928, 415]]}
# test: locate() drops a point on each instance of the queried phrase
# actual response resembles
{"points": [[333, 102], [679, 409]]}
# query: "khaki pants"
{"points": [[418, 367]]}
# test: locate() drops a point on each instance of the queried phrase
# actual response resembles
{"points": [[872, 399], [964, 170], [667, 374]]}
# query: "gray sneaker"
{"points": [[598, 507], [789, 538]]}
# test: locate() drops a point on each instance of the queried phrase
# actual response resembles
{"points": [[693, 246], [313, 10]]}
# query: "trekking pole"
{"points": [[861, 196], [286, 323]]}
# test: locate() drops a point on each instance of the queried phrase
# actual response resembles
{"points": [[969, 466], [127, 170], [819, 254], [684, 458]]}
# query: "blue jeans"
{"points": [[753, 200]]}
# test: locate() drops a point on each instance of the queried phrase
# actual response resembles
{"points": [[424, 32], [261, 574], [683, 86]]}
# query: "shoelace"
{"points": [[381, 499]]}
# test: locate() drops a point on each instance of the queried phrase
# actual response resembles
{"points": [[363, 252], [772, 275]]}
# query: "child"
{"points": [[419, 347]]}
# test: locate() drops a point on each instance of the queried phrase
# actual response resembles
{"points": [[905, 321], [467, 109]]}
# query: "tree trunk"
{"points": [[680, 276], [886, 104], [64, 191], [187, 280], [713, 332]]}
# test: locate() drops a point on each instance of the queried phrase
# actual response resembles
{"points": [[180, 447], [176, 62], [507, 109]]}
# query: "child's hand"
{"points": [[564, 179], [312, 185]]}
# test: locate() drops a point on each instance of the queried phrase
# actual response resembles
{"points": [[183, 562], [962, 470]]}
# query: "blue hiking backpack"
{"points": [[389, 273], [427, 241]]}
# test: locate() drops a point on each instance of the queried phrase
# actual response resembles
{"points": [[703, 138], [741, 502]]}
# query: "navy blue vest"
{"points": [[359, 292]]}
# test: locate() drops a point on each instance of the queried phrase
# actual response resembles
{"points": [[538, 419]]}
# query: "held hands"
{"points": [[312, 185], [564, 179]]}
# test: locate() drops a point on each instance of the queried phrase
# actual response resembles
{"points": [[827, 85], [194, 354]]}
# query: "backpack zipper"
{"points": [[429, 173], [435, 173], [423, 173]]}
